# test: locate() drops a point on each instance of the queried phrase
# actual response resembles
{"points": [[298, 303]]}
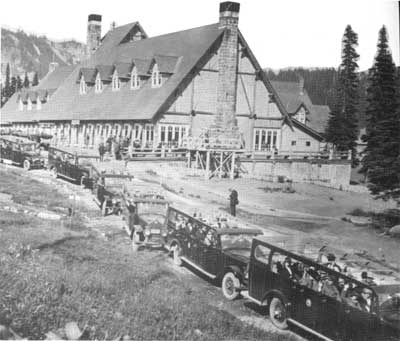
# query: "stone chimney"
{"points": [[113, 25], [93, 33], [227, 66]]}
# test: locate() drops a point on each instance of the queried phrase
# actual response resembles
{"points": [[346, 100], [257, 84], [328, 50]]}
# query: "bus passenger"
{"points": [[329, 288]]}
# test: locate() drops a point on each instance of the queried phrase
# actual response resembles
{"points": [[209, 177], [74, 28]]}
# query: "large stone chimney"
{"points": [[227, 66], [93, 33]]}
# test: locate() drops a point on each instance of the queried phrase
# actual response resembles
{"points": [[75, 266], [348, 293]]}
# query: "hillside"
{"points": [[30, 53]]}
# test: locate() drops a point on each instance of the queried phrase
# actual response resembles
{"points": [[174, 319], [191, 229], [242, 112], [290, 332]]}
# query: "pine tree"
{"points": [[342, 129], [381, 163], [26, 81], [35, 80], [13, 86], [5, 94], [19, 83]]}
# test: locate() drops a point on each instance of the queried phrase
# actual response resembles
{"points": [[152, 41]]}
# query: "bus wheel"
{"points": [[82, 181], [277, 313], [54, 172], [27, 165], [230, 284], [177, 255], [135, 247]]}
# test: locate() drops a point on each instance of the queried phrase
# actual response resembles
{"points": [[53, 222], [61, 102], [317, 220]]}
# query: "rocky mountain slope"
{"points": [[30, 53]]}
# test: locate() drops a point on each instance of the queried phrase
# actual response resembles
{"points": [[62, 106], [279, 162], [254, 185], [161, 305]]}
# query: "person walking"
{"points": [[233, 200], [102, 151]]}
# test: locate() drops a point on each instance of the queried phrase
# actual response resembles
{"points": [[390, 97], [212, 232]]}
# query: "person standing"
{"points": [[233, 200], [102, 151]]}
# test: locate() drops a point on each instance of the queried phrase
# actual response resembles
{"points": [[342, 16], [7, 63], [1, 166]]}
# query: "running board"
{"points": [[10, 162], [245, 294], [198, 268], [302, 326], [66, 177]]}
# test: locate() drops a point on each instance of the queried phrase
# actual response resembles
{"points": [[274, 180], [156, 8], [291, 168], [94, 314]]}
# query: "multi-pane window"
{"points": [[115, 82], [266, 139], [308, 143], [149, 134], [99, 84], [20, 105], [38, 103], [135, 80], [301, 116], [29, 106], [82, 86], [155, 77], [172, 135]]}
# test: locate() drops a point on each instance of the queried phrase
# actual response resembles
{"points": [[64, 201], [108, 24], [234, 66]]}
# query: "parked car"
{"points": [[145, 214], [108, 187], [70, 165], [221, 254], [300, 291], [21, 152]]}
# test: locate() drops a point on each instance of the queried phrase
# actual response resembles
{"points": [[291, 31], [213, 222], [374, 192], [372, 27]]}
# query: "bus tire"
{"points": [[277, 313], [230, 284], [27, 165], [176, 253]]}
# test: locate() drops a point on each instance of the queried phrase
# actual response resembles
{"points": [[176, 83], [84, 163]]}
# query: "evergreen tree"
{"points": [[342, 128], [35, 80], [19, 83], [13, 86], [5, 93], [381, 163], [26, 81]]}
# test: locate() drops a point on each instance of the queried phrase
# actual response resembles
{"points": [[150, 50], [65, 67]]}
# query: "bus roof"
{"points": [[80, 153], [16, 139]]}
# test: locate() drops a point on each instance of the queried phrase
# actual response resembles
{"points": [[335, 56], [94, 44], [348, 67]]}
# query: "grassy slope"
{"points": [[77, 276]]}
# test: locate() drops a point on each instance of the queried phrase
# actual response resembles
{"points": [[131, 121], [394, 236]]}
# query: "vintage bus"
{"points": [[297, 289]]}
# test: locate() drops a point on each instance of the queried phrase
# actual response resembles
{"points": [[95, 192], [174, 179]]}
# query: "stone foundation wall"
{"points": [[332, 173]]}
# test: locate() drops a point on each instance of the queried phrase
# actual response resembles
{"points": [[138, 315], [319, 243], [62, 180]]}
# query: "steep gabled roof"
{"points": [[142, 66], [292, 96], [53, 79], [106, 72], [144, 103], [89, 74], [307, 129], [166, 64], [123, 69]]}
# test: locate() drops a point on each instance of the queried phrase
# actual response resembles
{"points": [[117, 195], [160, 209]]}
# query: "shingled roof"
{"points": [[176, 54], [293, 97]]}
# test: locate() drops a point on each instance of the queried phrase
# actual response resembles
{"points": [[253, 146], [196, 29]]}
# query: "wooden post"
{"points": [[220, 165], [232, 175], [207, 165]]}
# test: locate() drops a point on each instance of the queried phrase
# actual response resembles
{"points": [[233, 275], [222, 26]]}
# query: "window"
{"points": [[38, 103], [293, 143], [308, 143], [115, 82], [261, 253], [172, 134], [155, 77], [82, 86], [99, 84], [266, 139], [29, 107], [135, 81], [20, 105], [136, 129], [301, 116]]}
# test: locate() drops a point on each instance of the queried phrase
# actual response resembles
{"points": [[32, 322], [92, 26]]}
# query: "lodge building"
{"points": [[166, 88]]}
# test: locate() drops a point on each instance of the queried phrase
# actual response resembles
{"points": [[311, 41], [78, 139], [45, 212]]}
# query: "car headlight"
{"points": [[147, 232]]}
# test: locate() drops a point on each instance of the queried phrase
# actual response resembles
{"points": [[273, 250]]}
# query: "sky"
{"points": [[280, 33]]}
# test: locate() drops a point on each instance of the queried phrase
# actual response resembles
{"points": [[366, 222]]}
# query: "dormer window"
{"points": [[301, 116], [20, 105], [98, 84], [135, 81], [29, 106], [38, 104], [155, 77], [82, 86], [115, 82]]}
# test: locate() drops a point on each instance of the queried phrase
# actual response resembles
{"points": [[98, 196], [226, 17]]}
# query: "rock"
{"points": [[52, 336], [49, 216], [198, 332], [72, 331], [395, 231], [360, 221]]}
